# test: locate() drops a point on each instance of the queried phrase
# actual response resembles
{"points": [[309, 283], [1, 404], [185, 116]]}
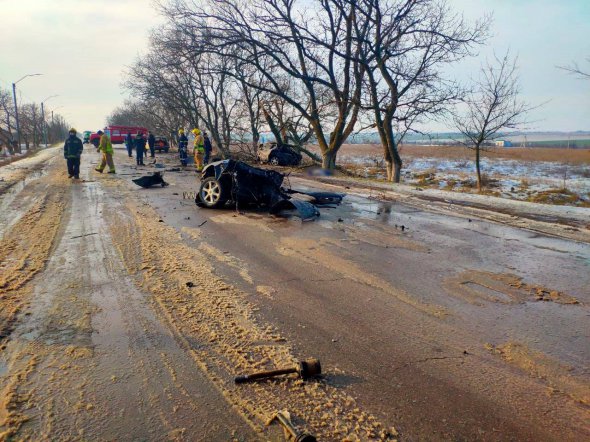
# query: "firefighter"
{"points": [[198, 149], [105, 146], [129, 145], [139, 148], [182, 147], [152, 144], [73, 148], [207, 146]]}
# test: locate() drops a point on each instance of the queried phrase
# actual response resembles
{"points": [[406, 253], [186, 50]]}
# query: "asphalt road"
{"points": [[452, 328]]}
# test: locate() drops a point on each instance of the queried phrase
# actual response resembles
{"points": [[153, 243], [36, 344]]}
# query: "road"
{"points": [[127, 312]]}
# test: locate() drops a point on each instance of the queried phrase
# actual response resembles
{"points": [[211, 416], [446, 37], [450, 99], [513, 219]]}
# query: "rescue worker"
{"points": [[105, 146], [208, 147], [73, 148], [139, 149], [198, 149], [182, 147], [152, 144], [129, 144]]}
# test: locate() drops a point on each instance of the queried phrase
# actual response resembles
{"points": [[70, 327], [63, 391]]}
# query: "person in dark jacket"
{"points": [[129, 144], [152, 143], [182, 147], [73, 148], [139, 149], [208, 148]]}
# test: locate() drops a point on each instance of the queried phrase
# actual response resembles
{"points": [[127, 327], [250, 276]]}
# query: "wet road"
{"points": [[452, 329]]}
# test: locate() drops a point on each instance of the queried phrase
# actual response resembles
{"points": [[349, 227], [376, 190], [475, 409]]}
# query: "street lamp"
{"points": [[16, 107], [43, 118]]}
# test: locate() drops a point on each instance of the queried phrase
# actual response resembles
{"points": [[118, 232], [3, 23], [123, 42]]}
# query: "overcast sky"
{"points": [[81, 48]]}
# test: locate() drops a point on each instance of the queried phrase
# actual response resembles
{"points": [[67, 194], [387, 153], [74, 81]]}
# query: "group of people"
{"points": [[139, 143], [73, 148], [202, 148]]}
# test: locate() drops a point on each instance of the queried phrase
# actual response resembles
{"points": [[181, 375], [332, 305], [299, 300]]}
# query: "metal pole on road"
{"points": [[16, 108]]}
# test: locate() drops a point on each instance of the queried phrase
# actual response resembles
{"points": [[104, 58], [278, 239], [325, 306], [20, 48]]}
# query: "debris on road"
{"points": [[306, 369], [235, 181], [151, 180], [284, 418], [86, 234]]}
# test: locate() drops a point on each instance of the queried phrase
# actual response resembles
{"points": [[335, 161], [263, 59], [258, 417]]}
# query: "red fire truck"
{"points": [[118, 133]]}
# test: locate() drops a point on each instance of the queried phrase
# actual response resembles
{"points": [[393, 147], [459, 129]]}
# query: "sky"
{"points": [[82, 47]]}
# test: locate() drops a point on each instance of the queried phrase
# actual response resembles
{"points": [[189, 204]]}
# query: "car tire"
{"points": [[96, 142], [166, 150], [212, 193], [274, 160]]}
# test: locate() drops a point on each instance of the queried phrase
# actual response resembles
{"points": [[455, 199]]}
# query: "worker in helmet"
{"points": [[198, 149], [105, 146], [73, 148], [182, 147]]}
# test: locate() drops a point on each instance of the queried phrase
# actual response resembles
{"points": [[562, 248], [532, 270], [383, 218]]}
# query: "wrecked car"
{"points": [[278, 154], [241, 184]]}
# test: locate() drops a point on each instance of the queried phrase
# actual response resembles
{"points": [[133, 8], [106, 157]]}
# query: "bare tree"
{"points": [[303, 42], [575, 69], [492, 106], [405, 46]]}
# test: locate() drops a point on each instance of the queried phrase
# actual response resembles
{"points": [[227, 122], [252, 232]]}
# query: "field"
{"points": [[553, 176]]}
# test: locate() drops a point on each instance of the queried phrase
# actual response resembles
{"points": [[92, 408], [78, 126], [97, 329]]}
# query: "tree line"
{"points": [[308, 71], [31, 124]]}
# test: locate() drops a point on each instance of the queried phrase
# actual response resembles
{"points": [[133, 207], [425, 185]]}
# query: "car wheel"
{"points": [[166, 150], [274, 161], [95, 142], [212, 193]]}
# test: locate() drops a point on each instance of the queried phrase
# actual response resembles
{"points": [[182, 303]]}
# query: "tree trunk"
{"points": [[329, 159], [477, 168], [392, 158]]}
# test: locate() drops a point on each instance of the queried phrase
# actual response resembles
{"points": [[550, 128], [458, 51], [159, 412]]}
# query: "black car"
{"points": [[278, 154], [235, 181], [161, 144]]}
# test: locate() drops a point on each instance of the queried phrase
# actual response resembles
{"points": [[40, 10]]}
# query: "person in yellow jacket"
{"points": [[199, 149], [106, 148]]}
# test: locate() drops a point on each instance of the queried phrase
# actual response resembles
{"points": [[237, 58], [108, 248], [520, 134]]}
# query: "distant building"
{"points": [[503, 143]]}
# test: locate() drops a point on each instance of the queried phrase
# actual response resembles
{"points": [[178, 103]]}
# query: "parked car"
{"points": [[86, 137], [237, 182], [278, 154], [161, 144]]}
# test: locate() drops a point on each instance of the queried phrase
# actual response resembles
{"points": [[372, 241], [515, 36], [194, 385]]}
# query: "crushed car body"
{"points": [[241, 184]]}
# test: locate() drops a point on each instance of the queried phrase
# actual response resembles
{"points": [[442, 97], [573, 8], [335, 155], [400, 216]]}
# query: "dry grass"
{"points": [[570, 156], [558, 197]]}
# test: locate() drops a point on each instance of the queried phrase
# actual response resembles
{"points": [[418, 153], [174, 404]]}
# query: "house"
{"points": [[503, 143]]}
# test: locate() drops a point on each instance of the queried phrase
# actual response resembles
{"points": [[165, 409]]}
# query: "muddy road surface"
{"points": [[126, 313]]}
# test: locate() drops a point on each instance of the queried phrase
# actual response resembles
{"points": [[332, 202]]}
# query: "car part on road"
{"points": [[306, 369], [283, 418], [151, 180], [235, 181]]}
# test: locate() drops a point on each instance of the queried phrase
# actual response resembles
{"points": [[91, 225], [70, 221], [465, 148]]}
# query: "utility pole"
{"points": [[16, 109], [43, 119], [16, 116]]}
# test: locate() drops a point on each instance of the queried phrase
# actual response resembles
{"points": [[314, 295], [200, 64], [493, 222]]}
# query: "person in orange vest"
{"points": [[106, 148], [198, 149]]}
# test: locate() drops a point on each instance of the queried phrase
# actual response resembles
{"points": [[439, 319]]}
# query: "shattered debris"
{"points": [[151, 180], [306, 369]]}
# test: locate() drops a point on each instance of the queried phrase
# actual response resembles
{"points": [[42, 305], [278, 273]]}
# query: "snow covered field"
{"points": [[527, 179]]}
